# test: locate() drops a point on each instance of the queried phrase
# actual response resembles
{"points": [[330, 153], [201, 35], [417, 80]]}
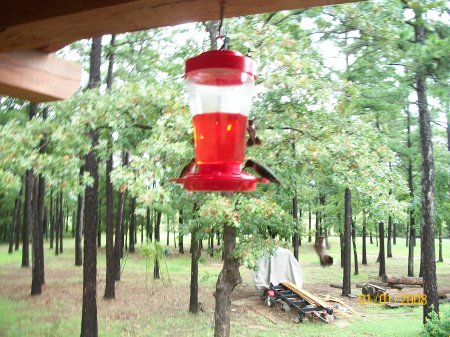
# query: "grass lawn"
{"points": [[139, 311]]}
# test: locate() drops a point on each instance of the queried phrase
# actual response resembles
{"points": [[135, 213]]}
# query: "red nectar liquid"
{"points": [[219, 137]]}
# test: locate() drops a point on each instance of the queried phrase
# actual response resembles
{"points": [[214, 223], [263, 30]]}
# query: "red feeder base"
{"points": [[220, 178]]}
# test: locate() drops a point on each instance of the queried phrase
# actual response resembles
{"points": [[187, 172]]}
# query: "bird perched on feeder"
{"points": [[252, 139], [262, 170], [321, 250], [188, 169]]}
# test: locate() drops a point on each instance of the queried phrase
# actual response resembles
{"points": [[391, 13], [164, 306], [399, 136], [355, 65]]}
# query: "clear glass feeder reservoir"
{"points": [[220, 85]]}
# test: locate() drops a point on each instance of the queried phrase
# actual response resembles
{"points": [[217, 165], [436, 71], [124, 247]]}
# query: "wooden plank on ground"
{"points": [[38, 76], [305, 294]]}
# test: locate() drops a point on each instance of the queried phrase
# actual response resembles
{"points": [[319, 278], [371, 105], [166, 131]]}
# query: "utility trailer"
{"points": [[306, 304]]}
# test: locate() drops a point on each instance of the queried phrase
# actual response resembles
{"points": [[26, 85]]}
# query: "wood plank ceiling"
{"points": [[50, 25], [30, 29]]}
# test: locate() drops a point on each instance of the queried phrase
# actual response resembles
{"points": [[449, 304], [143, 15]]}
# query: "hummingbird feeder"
{"points": [[220, 85]]}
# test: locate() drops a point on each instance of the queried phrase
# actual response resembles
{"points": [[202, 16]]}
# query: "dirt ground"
{"points": [[139, 302], [134, 299]]}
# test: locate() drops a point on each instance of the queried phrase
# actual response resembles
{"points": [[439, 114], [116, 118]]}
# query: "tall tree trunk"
{"points": [[152, 216], [448, 128], [407, 233], [322, 218], [295, 217], [180, 232], [15, 224], [89, 313], [79, 226], [126, 225], [228, 279], [11, 232], [89, 326], [118, 243], [147, 223], [381, 254], [309, 224], [411, 225], [52, 220], [132, 224], [67, 218], [195, 256], [355, 253], [36, 285], [18, 227], [421, 255], [156, 271], [60, 222], [73, 224], [40, 216], [38, 276], [45, 223], [346, 283], [56, 219], [317, 225], [110, 74], [341, 246], [448, 148], [441, 258], [142, 229], [427, 234], [412, 234], [300, 229], [370, 237], [212, 243], [167, 231], [394, 233], [389, 237], [135, 228], [99, 225], [27, 217], [110, 274], [364, 246]]}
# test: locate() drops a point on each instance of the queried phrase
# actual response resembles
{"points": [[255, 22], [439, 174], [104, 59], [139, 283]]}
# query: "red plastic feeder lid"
{"points": [[220, 67], [212, 179]]}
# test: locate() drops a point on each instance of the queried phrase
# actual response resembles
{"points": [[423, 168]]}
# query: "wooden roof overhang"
{"points": [[30, 30]]}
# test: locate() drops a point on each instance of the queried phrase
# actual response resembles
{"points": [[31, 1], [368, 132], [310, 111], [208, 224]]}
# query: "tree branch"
{"points": [[142, 126], [301, 11], [267, 20]]}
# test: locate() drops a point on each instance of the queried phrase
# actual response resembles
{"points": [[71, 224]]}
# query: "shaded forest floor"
{"points": [[145, 308]]}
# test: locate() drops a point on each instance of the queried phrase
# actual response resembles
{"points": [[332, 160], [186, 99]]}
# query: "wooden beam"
{"points": [[43, 24], [38, 76]]}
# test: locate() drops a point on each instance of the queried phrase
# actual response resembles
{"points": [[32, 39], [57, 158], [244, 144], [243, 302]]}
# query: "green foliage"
{"points": [[437, 325], [152, 251], [257, 221]]}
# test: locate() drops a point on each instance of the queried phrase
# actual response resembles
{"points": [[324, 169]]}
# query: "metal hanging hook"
{"points": [[221, 30], [222, 14]]}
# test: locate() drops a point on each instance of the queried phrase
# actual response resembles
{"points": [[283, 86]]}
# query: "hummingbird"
{"points": [[321, 250], [252, 139], [188, 169], [262, 170]]}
